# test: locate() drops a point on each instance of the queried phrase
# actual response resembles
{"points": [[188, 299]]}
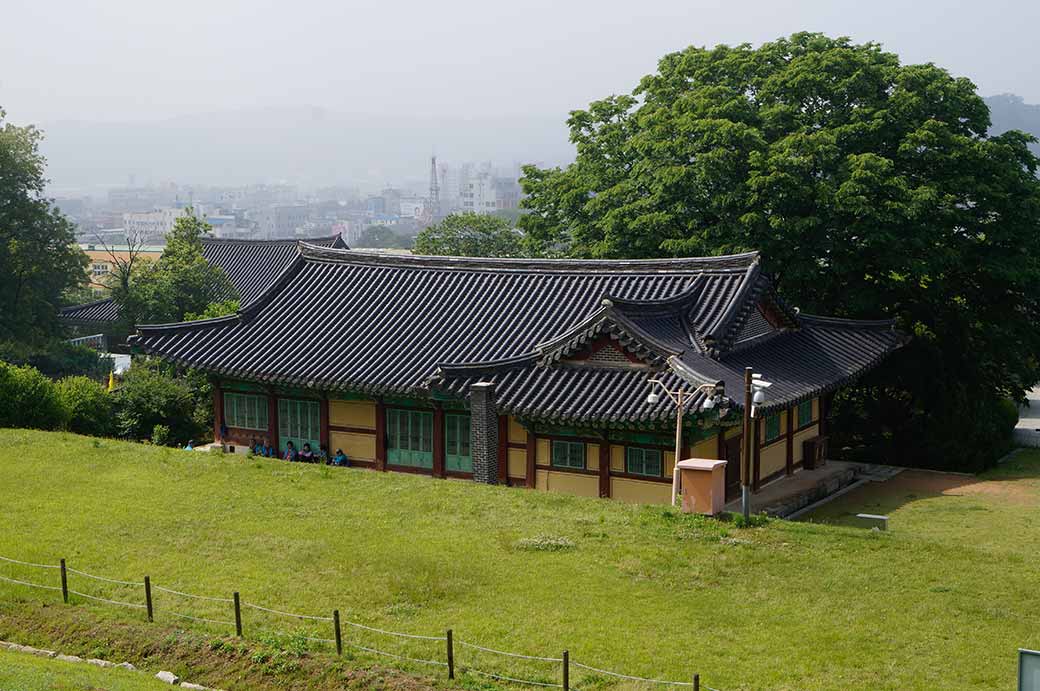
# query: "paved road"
{"points": [[1027, 432]]}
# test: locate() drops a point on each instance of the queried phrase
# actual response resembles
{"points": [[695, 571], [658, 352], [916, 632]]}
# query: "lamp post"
{"points": [[754, 394], [681, 399]]}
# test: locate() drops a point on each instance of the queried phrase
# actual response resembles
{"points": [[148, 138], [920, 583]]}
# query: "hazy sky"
{"points": [[145, 59], [360, 91]]}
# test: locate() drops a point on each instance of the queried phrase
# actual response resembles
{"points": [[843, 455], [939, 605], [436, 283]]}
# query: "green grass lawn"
{"points": [[943, 600], [21, 672]]}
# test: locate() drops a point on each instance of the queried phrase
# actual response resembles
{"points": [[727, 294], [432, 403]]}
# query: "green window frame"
{"points": [[568, 454], [643, 461], [457, 455], [409, 437], [299, 422], [772, 428], [245, 411], [805, 417]]}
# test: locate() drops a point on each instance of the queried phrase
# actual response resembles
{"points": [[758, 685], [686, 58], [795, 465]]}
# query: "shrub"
{"points": [[151, 396], [57, 359], [28, 399], [161, 434], [88, 406]]}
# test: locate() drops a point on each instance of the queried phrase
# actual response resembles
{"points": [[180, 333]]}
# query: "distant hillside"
{"points": [[1010, 112]]}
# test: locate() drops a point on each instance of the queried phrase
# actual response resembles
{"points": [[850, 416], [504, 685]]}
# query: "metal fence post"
{"points": [[238, 616], [566, 671], [64, 583], [339, 635], [148, 595], [451, 655]]}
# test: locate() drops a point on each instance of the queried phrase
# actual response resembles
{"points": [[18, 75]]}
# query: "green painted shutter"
{"points": [[457, 457], [409, 438]]}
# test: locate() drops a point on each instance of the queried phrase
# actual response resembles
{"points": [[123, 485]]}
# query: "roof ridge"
{"points": [[84, 305], [722, 263], [267, 241], [174, 327], [820, 320]]}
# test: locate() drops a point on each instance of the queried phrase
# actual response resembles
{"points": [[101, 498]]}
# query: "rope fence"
{"points": [[555, 674]]}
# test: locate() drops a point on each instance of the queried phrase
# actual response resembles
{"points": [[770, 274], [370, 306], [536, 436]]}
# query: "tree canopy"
{"points": [[39, 260], [181, 282], [382, 237], [871, 188], [470, 234]]}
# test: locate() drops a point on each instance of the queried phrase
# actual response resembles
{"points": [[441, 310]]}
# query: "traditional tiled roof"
{"points": [[382, 324], [250, 266]]}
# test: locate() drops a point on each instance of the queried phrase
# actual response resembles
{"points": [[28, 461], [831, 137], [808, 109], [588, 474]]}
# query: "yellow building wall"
{"points": [[736, 431], [640, 491], [706, 448], [669, 464], [541, 480], [799, 437], [355, 445], [517, 433], [571, 483], [773, 458], [352, 414], [517, 463], [592, 457], [617, 458], [543, 452]]}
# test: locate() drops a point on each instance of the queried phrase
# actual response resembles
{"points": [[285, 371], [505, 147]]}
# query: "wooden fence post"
{"points": [[64, 583], [238, 616], [451, 655], [696, 682], [148, 595], [339, 635], [566, 671]]}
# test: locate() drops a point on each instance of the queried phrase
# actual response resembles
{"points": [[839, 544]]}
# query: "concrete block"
{"points": [[168, 677]]}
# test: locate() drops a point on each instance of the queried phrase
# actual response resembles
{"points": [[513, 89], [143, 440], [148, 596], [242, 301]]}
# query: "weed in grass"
{"points": [[545, 543]]}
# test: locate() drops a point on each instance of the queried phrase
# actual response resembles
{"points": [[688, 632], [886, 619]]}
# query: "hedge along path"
{"points": [[238, 604]]}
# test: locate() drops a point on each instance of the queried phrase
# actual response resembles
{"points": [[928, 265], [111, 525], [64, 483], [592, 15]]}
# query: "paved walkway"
{"points": [[789, 494], [1027, 431]]}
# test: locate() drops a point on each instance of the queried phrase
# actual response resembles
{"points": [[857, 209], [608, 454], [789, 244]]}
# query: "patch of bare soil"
{"points": [[923, 484], [223, 662]]}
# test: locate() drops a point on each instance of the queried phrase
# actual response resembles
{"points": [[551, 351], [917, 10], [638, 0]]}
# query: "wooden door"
{"points": [[732, 457]]}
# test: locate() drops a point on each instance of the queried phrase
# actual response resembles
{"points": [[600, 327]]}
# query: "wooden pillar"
{"points": [[272, 422], [532, 452], [720, 446], [218, 411], [604, 468], [503, 450], [380, 435], [757, 458], [438, 440], [323, 421], [790, 441]]}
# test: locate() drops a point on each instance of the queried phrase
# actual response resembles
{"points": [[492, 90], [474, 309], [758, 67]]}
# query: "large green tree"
{"points": [[470, 234], [39, 260], [181, 282], [871, 188]]}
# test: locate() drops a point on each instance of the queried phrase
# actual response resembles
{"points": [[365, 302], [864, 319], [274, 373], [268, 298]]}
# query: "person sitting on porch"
{"points": [[340, 458], [290, 451], [306, 455], [323, 455], [267, 450]]}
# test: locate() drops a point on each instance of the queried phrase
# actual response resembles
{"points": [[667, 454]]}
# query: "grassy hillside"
{"points": [[20, 672], [941, 601]]}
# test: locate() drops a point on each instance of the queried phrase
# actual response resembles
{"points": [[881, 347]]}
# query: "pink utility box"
{"points": [[703, 485]]}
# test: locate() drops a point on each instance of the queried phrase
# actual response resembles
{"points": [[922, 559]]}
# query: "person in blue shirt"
{"points": [[340, 458], [190, 446], [290, 451]]}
